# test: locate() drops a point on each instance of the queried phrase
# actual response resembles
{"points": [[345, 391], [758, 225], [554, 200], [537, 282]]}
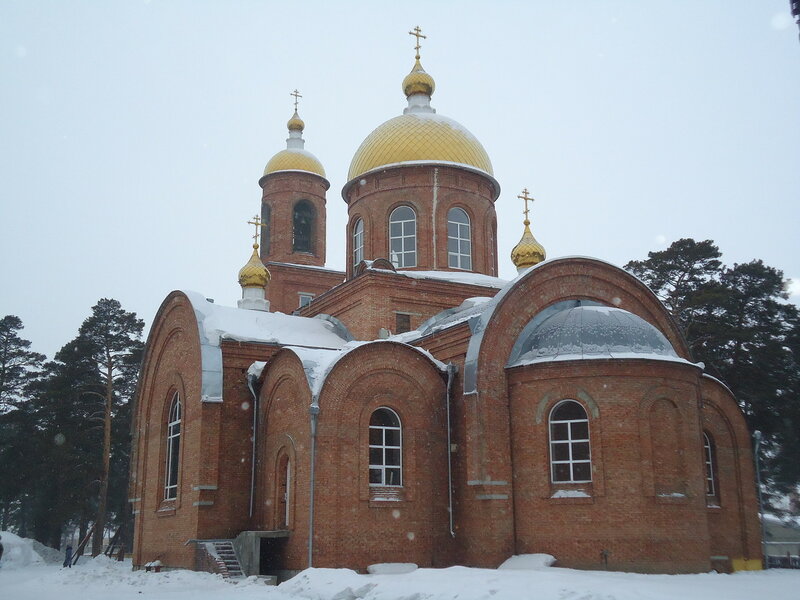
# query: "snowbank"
{"points": [[521, 577], [18, 552]]}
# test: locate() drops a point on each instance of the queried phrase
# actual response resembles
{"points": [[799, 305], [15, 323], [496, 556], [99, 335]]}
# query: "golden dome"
{"points": [[418, 81], [294, 159], [254, 273], [295, 123], [528, 252], [419, 136]]}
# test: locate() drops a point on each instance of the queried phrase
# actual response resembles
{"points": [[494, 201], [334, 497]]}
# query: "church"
{"points": [[415, 408]]}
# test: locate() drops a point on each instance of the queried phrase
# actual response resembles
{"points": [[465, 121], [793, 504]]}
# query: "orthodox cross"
{"points": [[524, 196], [417, 33], [257, 222], [297, 95]]}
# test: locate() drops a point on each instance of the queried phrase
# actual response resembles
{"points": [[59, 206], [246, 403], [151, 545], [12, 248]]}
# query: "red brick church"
{"points": [[415, 408]]}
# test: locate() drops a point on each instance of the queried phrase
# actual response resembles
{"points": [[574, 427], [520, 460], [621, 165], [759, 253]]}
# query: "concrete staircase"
{"points": [[225, 557]]}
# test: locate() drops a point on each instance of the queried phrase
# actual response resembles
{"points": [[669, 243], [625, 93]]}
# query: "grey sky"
{"points": [[133, 134]]}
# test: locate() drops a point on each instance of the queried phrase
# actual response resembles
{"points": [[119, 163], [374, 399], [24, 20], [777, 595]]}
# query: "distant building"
{"points": [[416, 408]]}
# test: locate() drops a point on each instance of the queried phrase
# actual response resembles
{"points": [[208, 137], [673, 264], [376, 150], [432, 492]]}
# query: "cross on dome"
{"points": [[257, 222], [297, 95], [417, 33], [524, 196]]}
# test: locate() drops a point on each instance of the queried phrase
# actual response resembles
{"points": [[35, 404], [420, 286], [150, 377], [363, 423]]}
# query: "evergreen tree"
{"points": [[113, 339], [17, 363], [19, 366]]}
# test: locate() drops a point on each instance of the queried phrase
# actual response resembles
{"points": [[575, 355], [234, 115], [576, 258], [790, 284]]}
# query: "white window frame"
{"points": [[383, 466], [570, 442], [358, 242], [304, 296], [401, 257], [172, 470], [462, 240], [708, 451]]}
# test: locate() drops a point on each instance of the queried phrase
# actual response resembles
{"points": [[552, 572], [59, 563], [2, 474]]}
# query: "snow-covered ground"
{"points": [[26, 576]]}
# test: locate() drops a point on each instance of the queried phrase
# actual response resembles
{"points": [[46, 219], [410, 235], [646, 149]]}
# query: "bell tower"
{"points": [[293, 202]]}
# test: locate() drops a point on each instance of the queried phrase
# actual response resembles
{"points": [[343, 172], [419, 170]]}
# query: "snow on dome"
{"points": [[580, 329]]}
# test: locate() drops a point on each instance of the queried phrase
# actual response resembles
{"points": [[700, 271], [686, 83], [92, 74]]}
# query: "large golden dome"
{"points": [[294, 160], [419, 137]]}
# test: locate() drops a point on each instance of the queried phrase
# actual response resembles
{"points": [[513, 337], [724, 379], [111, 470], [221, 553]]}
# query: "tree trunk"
{"points": [[100, 521], [83, 527]]}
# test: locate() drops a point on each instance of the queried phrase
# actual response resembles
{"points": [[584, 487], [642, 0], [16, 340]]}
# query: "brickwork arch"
{"points": [[732, 515], [172, 362], [367, 524]]}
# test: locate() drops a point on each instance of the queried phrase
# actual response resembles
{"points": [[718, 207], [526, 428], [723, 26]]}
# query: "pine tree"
{"points": [[19, 366], [113, 337], [17, 363]]}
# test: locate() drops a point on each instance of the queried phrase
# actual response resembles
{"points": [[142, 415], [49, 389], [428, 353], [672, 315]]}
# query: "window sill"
{"points": [[386, 496], [167, 508], [672, 498]]}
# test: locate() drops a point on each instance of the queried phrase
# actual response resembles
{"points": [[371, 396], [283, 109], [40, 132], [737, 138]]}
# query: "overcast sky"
{"points": [[133, 134]]}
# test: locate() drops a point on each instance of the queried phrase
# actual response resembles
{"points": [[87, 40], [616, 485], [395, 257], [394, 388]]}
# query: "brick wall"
{"points": [[431, 191]]}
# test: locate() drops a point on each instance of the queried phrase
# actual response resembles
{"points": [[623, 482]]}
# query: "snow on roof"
{"points": [[319, 362], [466, 277], [216, 323], [225, 322]]}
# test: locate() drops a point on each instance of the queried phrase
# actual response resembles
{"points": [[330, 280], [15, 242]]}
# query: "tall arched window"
{"points": [[173, 448], [284, 491], [710, 459], [266, 214], [303, 226], [570, 455], [358, 242], [385, 448], [459, 239], [403, 237]]}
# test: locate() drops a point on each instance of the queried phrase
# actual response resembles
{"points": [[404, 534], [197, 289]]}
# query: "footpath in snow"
{"points": [[26, 575]]}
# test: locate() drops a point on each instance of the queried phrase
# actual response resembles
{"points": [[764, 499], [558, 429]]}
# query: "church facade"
{"points": [[416, 408]]}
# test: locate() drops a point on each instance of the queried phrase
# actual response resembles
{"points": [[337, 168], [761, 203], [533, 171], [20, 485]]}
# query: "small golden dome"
{"points": [[528, 252], [254, 273], [418, 81], [296, 123], [294, 159], [416, 137]]}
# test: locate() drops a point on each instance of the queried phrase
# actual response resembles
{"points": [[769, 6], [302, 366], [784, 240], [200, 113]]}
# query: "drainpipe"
{"points": [[757, 453], [313, 410], [451, 375], [251, 379], [433, 214]]}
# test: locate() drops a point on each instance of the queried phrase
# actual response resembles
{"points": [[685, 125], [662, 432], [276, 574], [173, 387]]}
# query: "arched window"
{"points": [[710, 459], [284, 491], [570, 455], [173, 448], [266, 214], [459, 239], [303, 226], [385, 448], [403, 237], [358, 242]]}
